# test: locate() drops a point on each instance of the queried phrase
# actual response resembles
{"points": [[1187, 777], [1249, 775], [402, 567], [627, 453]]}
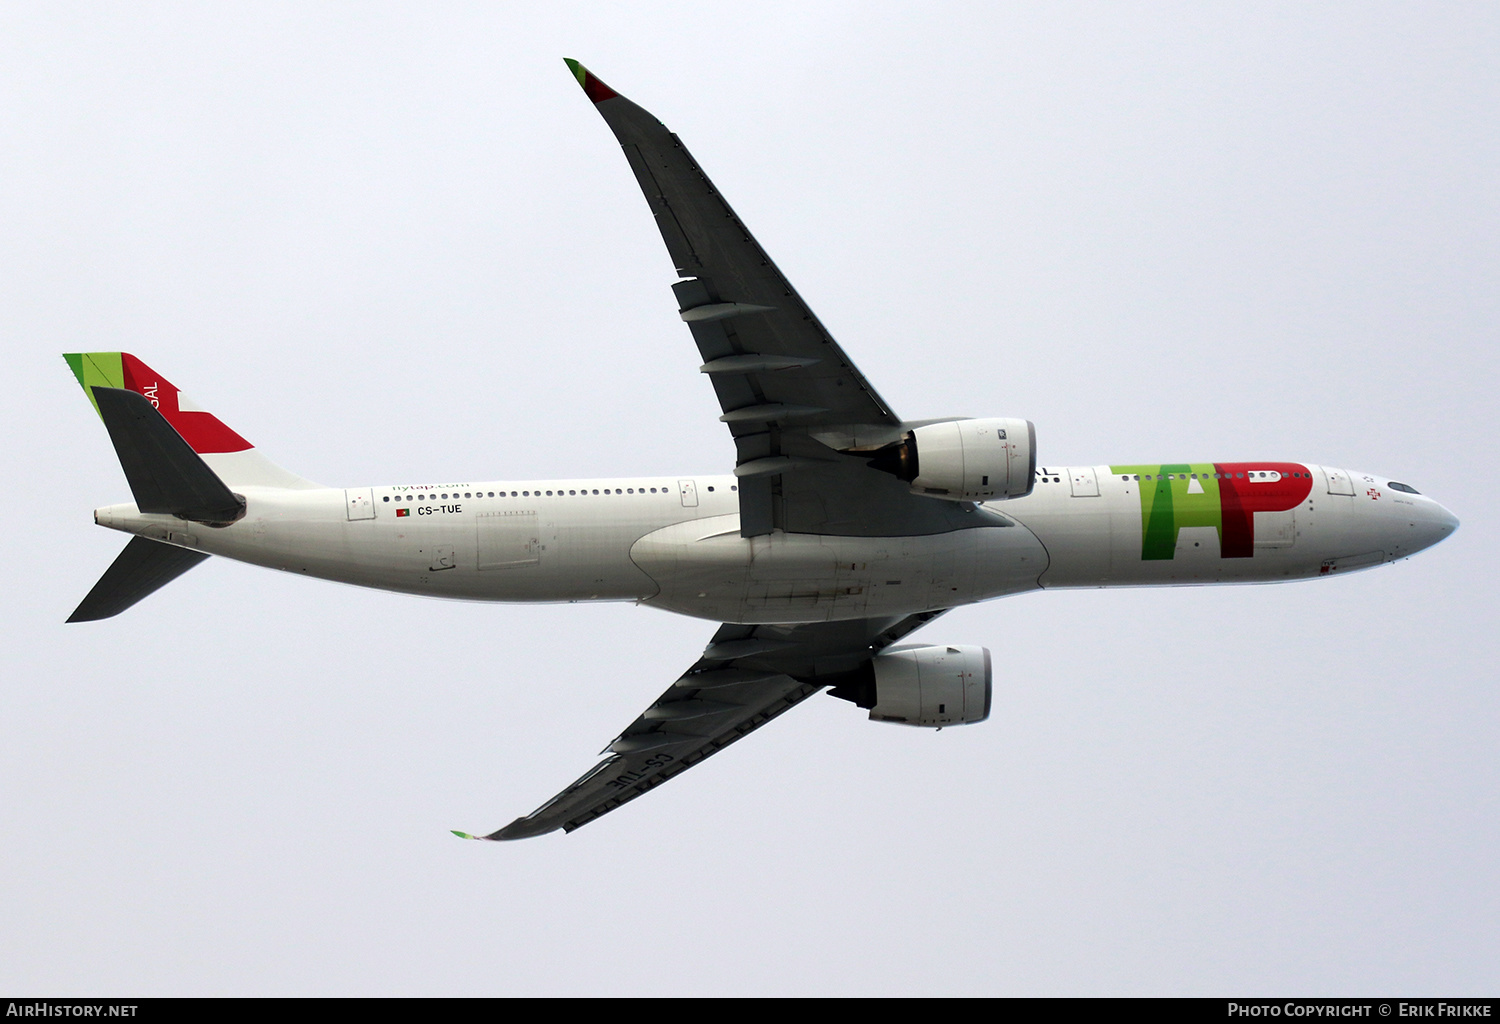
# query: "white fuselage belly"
{"points": [[679, 548]]}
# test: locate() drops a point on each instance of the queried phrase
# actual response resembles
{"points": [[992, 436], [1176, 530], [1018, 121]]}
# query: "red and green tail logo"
{"points": [[201, 430]]}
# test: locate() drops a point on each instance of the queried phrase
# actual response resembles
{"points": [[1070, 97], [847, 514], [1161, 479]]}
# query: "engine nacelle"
{"points": [[972, 460], [965, 460], [932, 685]]}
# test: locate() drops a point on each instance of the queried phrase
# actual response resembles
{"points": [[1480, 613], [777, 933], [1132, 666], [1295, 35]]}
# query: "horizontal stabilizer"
{"points": [[144, 567], [164, 472]]}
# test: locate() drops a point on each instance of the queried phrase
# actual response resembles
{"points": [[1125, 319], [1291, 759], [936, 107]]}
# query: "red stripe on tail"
{"points": [[201, 430]]}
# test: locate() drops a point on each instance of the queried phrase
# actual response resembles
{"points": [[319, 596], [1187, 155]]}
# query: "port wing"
{"points": [[747, 676]]}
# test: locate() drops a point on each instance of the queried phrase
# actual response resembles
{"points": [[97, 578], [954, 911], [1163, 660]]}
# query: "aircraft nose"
{"points": [[1446, 520], [1436, 525]]}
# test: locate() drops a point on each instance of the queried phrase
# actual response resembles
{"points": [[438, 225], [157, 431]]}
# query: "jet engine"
{"points": [[924, 685], [964, 460]]}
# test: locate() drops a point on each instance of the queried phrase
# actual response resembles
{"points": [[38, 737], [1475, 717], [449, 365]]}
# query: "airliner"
{"points": [[841, 531]]}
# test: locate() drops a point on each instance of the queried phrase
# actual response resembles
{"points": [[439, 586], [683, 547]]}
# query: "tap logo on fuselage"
{"points": [[1224, 495]]}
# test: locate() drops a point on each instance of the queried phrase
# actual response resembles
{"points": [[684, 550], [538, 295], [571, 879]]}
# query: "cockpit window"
{"points": [[1406, 488]]}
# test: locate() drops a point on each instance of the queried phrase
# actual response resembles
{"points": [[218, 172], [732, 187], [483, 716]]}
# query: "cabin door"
{"points": [[360, 503], [1085, 482]]}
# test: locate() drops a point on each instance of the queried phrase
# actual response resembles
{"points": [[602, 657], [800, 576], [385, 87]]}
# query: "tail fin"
{"points": [[233, 459], [144, 567]]}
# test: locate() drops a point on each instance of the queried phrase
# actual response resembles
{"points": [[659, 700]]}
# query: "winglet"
{"points": [[592, 87], [463, 835]]}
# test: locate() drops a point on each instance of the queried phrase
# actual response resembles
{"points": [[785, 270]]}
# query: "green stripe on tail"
{"points": [[96, 369]]}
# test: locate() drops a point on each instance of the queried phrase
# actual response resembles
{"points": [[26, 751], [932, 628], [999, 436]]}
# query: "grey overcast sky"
{"points": [[390, 242]]}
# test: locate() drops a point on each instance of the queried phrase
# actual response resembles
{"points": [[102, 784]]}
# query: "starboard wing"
{"points": [[792, 399]]}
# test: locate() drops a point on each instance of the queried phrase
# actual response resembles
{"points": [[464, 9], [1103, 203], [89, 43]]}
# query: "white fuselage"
{"points": [[676, 544]]}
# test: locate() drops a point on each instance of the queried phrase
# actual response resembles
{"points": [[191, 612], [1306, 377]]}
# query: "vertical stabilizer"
{"points": [[232, 458]]}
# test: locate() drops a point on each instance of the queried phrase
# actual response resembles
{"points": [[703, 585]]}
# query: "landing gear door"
{"points": [[1085, 482], [689, 491], [360, 502]]}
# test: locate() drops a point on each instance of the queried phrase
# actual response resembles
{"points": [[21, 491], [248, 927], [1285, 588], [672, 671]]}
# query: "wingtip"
{"points": [[592, 87], [515, 830], [522, 828]]}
